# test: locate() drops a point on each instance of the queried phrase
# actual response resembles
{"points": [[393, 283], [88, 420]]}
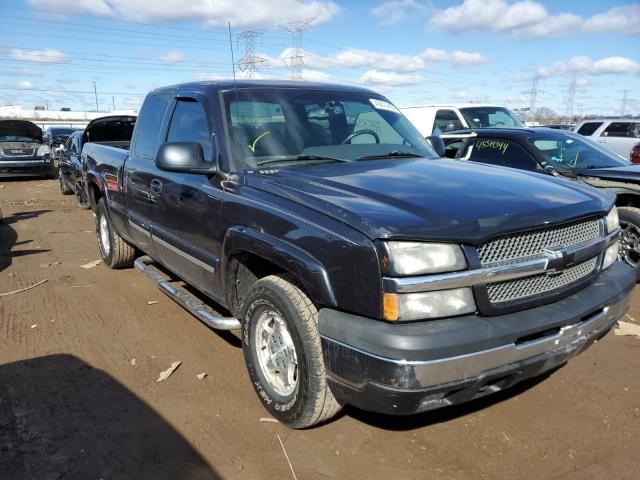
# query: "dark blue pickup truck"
{"points": [[358, 267]]}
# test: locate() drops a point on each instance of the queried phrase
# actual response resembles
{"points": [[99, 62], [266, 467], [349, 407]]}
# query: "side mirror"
{"points": [[437, 144], [184, 157]]}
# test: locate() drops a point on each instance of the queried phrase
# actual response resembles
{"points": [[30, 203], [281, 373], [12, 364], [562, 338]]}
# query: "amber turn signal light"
{"points": [[390, 306]]}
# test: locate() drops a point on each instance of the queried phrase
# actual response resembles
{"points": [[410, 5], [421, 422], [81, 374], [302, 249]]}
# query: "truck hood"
{"points": [[628, 174], [21, 128], [432, 199]]}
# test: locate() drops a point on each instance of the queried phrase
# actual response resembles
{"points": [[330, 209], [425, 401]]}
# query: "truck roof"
{"points": [[454, 105], [242, 84]]}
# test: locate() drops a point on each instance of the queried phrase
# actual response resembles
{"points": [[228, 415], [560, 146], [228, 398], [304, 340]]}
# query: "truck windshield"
{"points": [[487, 117], [287, 127], [569, 152]]}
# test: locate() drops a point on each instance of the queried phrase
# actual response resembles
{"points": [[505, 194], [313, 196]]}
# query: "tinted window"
{"points": [[484, 117], [446, 121], [149, 125], [621, 129], [189, 124], [503, 153], [588, 128], [568, 152]]}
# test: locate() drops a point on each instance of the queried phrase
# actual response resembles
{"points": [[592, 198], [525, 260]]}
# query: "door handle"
{"points": [[156, 186]]}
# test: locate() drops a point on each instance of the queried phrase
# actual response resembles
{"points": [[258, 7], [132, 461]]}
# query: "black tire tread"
{"points": [[123, 254]]}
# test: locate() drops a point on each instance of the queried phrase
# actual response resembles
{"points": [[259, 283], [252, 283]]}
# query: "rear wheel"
{"points": [[115, 251], [282, 350], [82, 198], [630, 237], [64, 189]]}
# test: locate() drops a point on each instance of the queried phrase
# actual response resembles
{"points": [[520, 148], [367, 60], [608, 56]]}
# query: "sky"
{"points": [[415, 52]]}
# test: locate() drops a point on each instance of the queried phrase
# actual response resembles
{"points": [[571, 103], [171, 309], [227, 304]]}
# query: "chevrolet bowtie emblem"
{"points": [[557, 260]]}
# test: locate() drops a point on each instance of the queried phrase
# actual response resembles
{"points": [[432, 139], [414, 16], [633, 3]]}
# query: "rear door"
{"points": [[139, 169], [620, 137], [187, 234], [500, 152]]}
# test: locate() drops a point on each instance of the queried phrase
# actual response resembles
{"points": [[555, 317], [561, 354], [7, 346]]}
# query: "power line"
{"points": [[296, 57]]}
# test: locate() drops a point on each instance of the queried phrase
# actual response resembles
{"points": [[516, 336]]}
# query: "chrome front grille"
{"points": [[539, 284], [18, 152], [522, 246], [531, 244]]}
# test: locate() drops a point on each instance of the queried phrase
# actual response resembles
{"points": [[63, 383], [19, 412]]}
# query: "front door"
{"points": [[187, 235]]}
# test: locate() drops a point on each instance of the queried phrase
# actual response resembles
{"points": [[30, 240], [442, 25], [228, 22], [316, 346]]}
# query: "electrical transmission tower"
{"points": [[571, 96], [533, 96], [250, 61], [295, 61], [623, 105]]}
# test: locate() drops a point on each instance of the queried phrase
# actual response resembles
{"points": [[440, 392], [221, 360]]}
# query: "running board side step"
{"points": [[187, 301]]}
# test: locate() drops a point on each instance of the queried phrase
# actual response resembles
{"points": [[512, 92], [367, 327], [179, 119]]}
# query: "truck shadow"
{"points": [[9, 237], [62, 418], [442, 415]]}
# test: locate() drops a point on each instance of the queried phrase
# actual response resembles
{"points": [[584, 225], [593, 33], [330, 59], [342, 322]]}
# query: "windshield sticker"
{"points": [[499, 145], [382, 105]]}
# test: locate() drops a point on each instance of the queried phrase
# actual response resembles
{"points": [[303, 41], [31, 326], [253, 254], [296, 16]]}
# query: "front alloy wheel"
{"points": [[630, 236]]}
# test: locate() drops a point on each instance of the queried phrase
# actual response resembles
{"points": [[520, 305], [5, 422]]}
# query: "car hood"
{"points": [[432, 199], [629, 173], [20, 128]]}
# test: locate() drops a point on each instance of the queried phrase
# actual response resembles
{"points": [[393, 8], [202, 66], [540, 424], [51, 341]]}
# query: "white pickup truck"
{"points": [[437, 119]]}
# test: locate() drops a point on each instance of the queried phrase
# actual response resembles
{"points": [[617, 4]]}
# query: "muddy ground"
{"points": [[80, 355]]}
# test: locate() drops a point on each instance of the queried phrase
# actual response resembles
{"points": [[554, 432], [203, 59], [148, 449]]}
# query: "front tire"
{"points": [[630, 237], [82, 198], [114, 250], [283, 354]]}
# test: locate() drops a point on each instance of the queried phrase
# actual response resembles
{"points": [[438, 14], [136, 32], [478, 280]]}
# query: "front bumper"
{"points": [[26, 167], [414, 367]]}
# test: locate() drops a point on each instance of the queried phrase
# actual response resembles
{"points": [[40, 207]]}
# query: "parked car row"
{"points": [[358, 266]]}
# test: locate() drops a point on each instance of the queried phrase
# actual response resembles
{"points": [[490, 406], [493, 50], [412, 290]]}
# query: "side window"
{"points": [[620, 129], [149, 125], [189, 124], [451, 148], [446, 121], [68, 143], [503, 153], [589, 128]]}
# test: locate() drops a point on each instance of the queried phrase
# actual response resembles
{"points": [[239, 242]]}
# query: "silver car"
{"points": [[617, 134]]}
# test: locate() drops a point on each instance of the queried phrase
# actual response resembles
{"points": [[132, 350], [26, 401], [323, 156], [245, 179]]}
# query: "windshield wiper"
{"points": [[395, 153], [302, 157]]}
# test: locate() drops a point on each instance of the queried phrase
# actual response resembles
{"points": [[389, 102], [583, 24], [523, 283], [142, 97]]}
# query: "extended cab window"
{"points": [[189, 124], [446, 121], [504, 153], [622, 129], [149, 125], [588, 128]]}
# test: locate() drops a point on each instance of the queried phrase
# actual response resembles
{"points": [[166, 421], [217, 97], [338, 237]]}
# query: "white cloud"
{"points": [[204, 76], [468, 58], [25, 84], [530, 19], [393, 11], [172, 57], [241, 13], [624, 19], [380, 79], [38, 56], [584, 65]]}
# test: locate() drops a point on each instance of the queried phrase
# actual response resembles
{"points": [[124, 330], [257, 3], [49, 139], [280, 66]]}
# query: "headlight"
{"points": [[419, 306], [610, 255], [44, 150], [416, 258], [613, 221]]}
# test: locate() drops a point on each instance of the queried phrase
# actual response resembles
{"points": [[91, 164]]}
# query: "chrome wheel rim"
{"points": [[104, 236], [276, 353], [630, 244]]}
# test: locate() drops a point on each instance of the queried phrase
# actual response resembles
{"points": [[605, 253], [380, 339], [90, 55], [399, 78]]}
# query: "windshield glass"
{"points": [[487, 117], [301, 127], [570, 152], [62, 131]]}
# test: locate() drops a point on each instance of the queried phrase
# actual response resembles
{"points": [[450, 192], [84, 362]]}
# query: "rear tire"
{"points": [[82, 197], [630, 238], [283, 354], [115, 251]]}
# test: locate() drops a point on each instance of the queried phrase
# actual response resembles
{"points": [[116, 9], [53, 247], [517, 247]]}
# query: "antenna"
{"points": [[233, 62], [296, 59]]}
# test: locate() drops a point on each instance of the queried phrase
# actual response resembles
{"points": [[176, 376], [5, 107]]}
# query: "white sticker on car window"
{"points": [[382, 105]]}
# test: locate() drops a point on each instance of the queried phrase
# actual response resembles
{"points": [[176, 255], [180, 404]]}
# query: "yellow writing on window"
{"points": [[499, 145]]}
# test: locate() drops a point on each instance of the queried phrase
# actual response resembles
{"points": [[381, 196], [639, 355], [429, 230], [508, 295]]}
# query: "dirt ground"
{"points": [[80, 355]]}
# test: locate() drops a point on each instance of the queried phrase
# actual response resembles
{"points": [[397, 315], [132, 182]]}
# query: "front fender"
{"points": [[304, 267]]}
